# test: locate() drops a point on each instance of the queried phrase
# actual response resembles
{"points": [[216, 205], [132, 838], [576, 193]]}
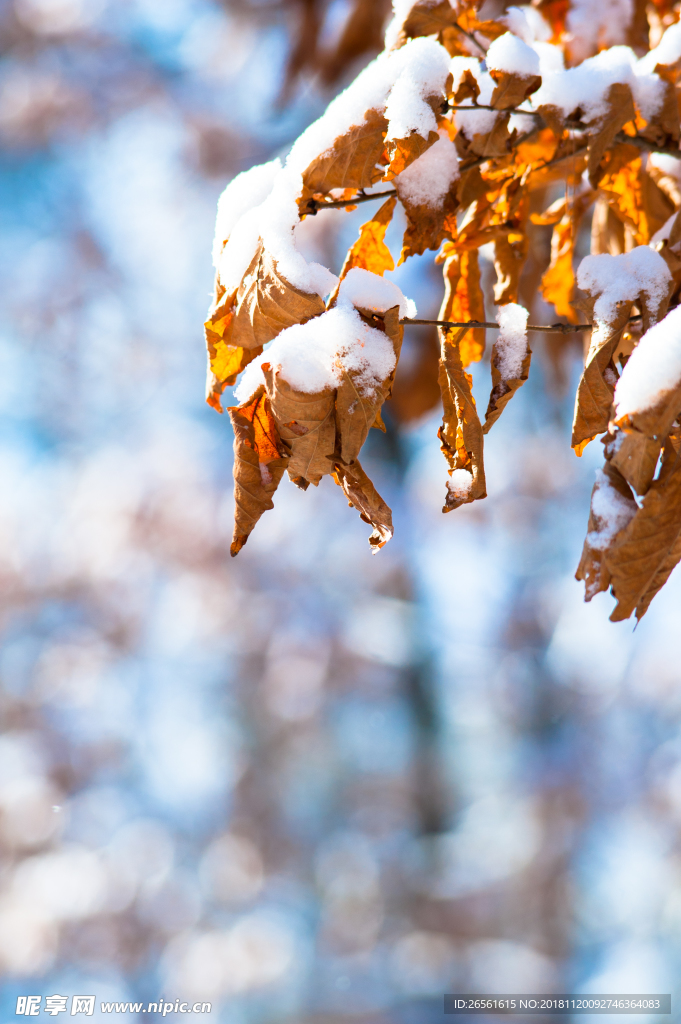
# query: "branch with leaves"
{"points": [[477, 153]]}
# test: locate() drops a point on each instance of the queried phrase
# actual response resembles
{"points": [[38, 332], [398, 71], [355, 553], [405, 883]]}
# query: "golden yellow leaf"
{"points": [[558, 282], [370, 251], [463, 300]]}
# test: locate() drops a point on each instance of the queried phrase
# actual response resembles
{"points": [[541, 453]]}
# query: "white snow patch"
{"points": [[597, 23], [400, 80], [527, 23], [613, 510], [653, 367], [509, 53], [511, 345], [667, 51], [311, 356], [586, 85], [273, 221], [667, 164], [460, 483], [428, 180], [620, 278], [401, 11], [364, 290], [424, 73], [551, 58], [477, 122], [246, 191]]}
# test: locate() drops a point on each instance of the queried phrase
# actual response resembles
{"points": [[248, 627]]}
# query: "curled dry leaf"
{"points": [[266, 303], [638, 437], [427, 18], [492, 143], [503, 388], [460, 435], [260, 458], [427, 223], [642, 557], [363, 496]]}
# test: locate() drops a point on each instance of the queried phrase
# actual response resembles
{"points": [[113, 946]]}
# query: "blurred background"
{"points": [[306, 785]]}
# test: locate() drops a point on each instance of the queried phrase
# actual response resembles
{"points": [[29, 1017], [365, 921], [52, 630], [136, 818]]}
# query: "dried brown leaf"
{"points": [[599, 377], [357, 407], [461, 433], [427, 224], [643, 556], [612, 508], [512, 89], [363, 496], [503, 389], [266, 304], [509, 259], [352, 162], [260, 459], [306, 423]]}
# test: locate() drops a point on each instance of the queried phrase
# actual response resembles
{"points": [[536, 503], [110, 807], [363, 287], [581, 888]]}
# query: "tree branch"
{"points": [[313, 205], [486, 106], [544, 329]]}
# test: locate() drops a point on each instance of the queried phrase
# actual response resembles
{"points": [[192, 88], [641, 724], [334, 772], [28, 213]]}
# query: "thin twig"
{"points": [[643, 143], [471, 37], [486, 106], [313, 205], [544, 328]]}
